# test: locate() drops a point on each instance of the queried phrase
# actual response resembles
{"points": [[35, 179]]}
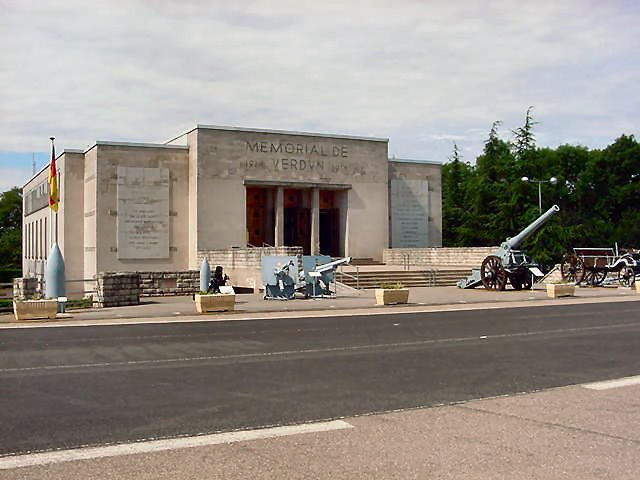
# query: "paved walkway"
{"points": [[348, 301], [566, 433]]}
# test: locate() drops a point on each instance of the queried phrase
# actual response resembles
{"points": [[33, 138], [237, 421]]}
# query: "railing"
{"points": [[6, 290], [83, 282], [430, 272], [406, 260], [41, 287], [355, 277], [6, 293]]}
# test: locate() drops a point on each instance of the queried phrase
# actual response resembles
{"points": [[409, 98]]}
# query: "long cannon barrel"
{"points": [[514, 242], [330, 265]]}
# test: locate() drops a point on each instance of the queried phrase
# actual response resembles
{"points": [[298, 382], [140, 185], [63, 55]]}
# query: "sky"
{"points": [[424, 74]]}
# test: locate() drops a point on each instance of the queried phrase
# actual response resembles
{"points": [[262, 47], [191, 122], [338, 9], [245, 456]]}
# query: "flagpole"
{"points": [[53, 229]]}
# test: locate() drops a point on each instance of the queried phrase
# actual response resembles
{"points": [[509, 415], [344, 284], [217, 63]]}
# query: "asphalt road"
{"points": [[77, 386]]}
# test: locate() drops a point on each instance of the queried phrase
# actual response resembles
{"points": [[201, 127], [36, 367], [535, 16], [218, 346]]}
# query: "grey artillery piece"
{"points": [[509, 264]]}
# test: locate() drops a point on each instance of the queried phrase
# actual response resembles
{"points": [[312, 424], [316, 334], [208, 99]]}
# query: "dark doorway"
{"points": [[297, 220], [330, 232], [259, 216], [297, 228]]}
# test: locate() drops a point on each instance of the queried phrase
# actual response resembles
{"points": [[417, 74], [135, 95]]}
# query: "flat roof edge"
{"points": [[48, 164], [409, 160], [135, 144], [287, 132]]}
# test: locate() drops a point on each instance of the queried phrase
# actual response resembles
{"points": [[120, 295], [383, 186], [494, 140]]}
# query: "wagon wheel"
{"points": [[572, 268], [527, 280], [493, 274], [594, 277], [588, 276], [627, 276], [599, 276]]}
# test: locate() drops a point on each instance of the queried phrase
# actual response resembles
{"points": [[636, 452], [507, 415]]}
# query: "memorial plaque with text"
{"points": [[143, 213], [409, 213]]}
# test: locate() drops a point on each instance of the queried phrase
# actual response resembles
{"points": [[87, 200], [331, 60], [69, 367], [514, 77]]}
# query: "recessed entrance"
{"points": [[297, 214]]}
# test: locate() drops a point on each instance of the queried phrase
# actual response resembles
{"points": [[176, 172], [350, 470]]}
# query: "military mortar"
{"points": [[509, 264]]}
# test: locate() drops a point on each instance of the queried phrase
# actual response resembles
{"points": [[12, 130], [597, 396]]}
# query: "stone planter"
{"points": [[391, 296], [35, 309], [555, 290], [216, 302]]}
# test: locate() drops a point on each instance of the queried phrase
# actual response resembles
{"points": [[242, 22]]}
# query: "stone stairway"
{"points": [[372, 278]]}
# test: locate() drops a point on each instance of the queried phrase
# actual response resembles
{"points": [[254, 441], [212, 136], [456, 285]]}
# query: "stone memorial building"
{"points": [[157, 207]]}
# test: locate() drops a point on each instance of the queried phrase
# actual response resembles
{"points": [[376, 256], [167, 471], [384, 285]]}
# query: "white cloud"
{"points": [[410, 70], [13, 177]]}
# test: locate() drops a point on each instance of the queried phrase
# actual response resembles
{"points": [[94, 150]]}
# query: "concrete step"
{"points": [[412, 278], [365, 261]]}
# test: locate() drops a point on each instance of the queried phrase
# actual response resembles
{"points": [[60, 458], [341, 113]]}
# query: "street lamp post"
{"points": [[552, 181]]}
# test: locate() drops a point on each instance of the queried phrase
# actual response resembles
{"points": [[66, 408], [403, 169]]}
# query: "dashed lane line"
{"points": [[577, 330]]}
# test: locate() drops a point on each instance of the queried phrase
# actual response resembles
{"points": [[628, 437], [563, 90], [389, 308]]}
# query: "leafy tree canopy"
{"points": [[597, 190], [11, 229]]}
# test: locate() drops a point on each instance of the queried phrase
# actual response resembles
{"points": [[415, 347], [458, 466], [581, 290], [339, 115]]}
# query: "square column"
{"points": [[315, 221], [279, 220]]}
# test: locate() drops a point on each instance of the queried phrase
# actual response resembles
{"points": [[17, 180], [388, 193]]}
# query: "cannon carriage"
{"points": [[592, 266], [508, 264]]}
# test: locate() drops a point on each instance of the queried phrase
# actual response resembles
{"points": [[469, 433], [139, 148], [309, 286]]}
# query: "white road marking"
{"points": [[607, 384], [483, 337], [46, 458]]}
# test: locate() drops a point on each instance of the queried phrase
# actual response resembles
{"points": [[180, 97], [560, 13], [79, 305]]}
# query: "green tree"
{"points": [[11, 229], [524, 140], [455, 176]]}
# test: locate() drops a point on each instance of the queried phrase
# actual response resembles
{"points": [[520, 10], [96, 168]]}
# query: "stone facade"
{"points": [[444, 256], [415, 206], [25, 288], [153, 284], [116, 290], [133, 207]]}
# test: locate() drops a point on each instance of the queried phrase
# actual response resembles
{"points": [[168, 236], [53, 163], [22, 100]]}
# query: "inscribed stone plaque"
{"points": [[409, 213], [143, 213]]}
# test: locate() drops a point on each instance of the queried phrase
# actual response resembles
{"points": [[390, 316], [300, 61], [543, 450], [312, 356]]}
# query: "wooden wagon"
{"points": [[592, 266]]}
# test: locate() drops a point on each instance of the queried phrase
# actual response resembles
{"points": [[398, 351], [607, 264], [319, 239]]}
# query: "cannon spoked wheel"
{"points": [[527, 281], [493, 274], [572, 268]]}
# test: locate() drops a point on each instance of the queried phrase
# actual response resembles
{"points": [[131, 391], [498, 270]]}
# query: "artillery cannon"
{"points": [[509, 264], [282, 276]]}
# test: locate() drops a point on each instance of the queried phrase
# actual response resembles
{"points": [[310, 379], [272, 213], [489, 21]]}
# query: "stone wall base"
{"points": [[116, 289], [467, 257]]}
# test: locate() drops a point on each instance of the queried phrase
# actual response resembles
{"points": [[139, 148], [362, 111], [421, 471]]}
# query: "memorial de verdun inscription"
{"points": [[319, 158]]}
